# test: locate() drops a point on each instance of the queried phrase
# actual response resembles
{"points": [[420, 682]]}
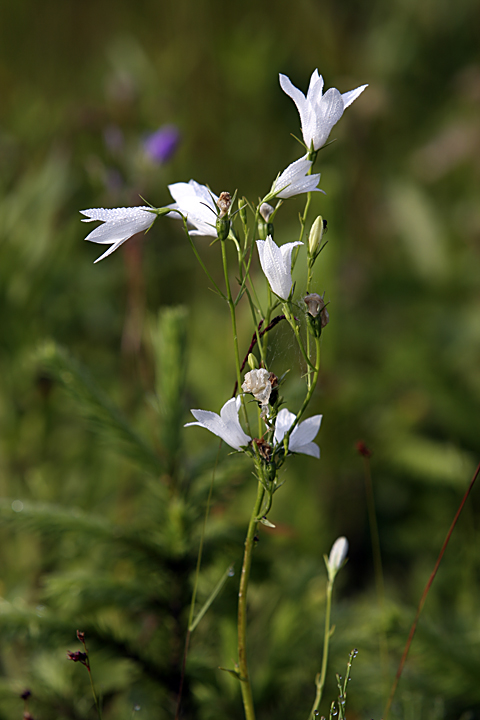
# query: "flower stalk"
{"points": [[244, 676]]}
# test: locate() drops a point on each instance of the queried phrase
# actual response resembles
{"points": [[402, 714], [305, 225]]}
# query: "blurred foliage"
{"points": [[102, 500]]}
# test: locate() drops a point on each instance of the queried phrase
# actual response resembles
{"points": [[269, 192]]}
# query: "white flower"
{"points": [[318, 113], [338, 553], [295, 181], [300, 440], [276, 263], [257, 382], [226, 425], [119, 225], [197, 203]]}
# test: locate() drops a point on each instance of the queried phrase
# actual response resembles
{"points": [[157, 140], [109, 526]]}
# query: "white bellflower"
{"points": [[294, 180], [119, 224], [226, 425], [318, 112], [198, 204], [276, 263], [301, 439]]}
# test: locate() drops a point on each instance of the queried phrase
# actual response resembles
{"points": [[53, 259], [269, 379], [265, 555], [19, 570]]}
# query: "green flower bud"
{"points": [[252, 361], [315, 237]]}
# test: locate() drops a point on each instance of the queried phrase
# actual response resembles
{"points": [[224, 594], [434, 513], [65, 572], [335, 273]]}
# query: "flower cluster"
{"points": [[206, 214]]}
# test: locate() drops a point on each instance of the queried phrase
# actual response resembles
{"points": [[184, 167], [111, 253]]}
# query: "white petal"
{"points": [[297, 96], [197, 203], [283, 423], [315, 88], [352, 95], [110, 250], [277, 266], [311, 449], [294, 179], [306, 431], [226, 425]]}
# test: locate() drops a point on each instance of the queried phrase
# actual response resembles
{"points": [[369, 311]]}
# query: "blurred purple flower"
{"points": [[161, 145]]}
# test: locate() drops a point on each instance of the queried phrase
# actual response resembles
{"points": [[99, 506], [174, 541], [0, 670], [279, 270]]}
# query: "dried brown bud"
{"points": [[81, 636], [224, 202], [273, 380], [363, 450], [264, 449]]}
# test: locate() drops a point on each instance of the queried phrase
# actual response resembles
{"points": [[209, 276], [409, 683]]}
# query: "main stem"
{"points": [[242, 608], [326, 642]]}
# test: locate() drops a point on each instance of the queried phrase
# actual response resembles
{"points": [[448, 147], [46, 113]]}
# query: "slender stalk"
{"points": [[233, 318], [245, 685], [320, 680], [425, 593], [97, 704], [308, 396], [377, 562]]}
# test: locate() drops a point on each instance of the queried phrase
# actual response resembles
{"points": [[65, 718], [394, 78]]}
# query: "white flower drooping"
{"points": [[318, 112], [198, 204], [226, 425], [258, 383], [119, 224], [301, 439], [276, 263], [294, 180]]}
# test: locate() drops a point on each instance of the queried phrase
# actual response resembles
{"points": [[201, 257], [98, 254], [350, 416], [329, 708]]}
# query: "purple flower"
{"points": [[161, 145]]}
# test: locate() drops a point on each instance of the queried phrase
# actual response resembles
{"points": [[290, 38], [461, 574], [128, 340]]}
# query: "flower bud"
{"points": [[337, 556], [265, 227], [315, 237], [317, 314], [223, 221], [242, 210], [266, 211], [252, 361]]}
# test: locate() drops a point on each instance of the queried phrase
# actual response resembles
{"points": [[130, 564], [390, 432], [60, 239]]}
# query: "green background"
{"points": [[400, 367]]}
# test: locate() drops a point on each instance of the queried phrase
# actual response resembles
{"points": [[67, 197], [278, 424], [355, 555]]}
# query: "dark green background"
{"points": [[401, 355]]}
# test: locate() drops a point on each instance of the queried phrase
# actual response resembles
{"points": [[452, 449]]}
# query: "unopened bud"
{"points": [[317, 314], [266, 211], [81, 636], [265, 227], [337, 556], [242, 210], [316, 234], [252, 361]]}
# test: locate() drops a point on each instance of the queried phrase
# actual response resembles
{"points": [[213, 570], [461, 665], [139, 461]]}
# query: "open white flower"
{"points": [[300, 441], [226, 425], [197, 203], [318, 112], [119, 224], [276, 263], [295, 181]]}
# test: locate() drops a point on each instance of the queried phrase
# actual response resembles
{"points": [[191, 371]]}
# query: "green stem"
{"points": [[242, 607], [308, 396], [320, 682], [233, 318], [97, 704]]}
